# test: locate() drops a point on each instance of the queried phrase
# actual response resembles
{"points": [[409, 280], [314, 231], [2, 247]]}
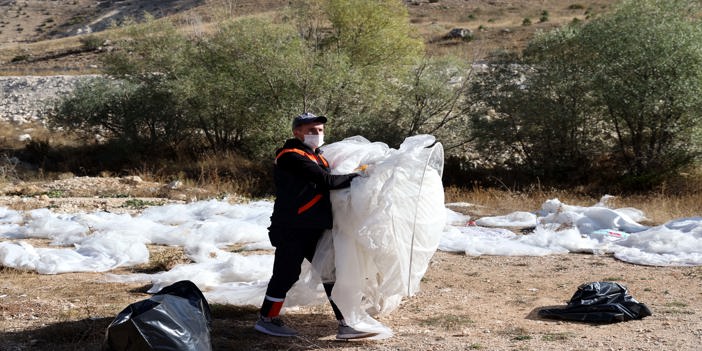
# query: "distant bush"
{"points": [[91, 42], [544, 16], [526, 21], [143, 117], [20, 58]]}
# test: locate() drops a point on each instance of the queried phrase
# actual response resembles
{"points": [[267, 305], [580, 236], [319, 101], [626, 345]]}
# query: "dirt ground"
{"points": [[465, 303]]}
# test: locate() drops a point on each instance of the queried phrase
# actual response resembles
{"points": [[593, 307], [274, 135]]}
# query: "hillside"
{"points": [[43, 37]]}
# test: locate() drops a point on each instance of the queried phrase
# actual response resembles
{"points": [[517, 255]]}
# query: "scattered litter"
{"points": [[609, 234], [599, 302], [176, 318]]}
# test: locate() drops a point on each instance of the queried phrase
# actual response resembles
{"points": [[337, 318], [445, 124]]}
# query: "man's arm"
{"points": [[304, 167]]}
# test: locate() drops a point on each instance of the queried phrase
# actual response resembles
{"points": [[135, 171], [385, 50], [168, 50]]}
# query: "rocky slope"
{"points": [[24, 99]]}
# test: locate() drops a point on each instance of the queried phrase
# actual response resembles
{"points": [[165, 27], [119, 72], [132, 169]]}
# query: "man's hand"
{"points": [[362, 170]]}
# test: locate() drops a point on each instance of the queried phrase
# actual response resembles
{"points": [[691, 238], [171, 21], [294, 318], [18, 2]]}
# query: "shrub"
{"points": [[91, 42], [19, 58], [544, 16]]}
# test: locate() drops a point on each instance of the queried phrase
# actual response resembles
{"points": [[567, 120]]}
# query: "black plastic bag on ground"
{"points": [[176, 318], [599, 302]]}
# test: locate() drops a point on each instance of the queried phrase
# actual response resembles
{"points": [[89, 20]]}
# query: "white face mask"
{"points": [[314, 140]]}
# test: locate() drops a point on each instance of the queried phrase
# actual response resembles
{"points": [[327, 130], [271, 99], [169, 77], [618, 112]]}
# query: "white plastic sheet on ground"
{"points": [[562, 228], [388, 226], [101, 241]]}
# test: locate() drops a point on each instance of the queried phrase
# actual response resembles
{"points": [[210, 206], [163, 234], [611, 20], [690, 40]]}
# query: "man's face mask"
{"points": [[314, 140]]}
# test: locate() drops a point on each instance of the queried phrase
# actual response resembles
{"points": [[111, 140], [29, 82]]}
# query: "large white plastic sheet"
{"points": [[387, 225]]}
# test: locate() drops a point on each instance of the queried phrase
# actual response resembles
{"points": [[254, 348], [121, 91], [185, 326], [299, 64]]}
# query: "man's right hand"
{"points": [[362, 170]]}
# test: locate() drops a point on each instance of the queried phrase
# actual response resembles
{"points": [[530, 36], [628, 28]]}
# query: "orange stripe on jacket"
{"points": [[311, 203], [313, 157]]}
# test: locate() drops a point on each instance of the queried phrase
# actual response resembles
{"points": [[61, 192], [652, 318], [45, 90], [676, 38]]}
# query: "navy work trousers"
{"points": [[292, 246]]}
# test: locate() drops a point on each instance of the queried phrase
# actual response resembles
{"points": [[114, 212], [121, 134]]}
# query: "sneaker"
{"points": [[348, 333], [274, 326]]}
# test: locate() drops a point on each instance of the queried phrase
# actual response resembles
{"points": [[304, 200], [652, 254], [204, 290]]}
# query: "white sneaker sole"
{"points": [[355, 336], [266, 331]]}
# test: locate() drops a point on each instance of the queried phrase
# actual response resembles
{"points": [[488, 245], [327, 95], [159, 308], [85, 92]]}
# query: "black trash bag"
{"points": [[599, 302], [177, 318]]}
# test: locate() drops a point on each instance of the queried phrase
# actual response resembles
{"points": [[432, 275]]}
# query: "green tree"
{"points": [[621, 92], [373, 33], [536, 112], [428, 100], [363, 48], [245, 85], [142, 94], [136, 115], [647, 74]]}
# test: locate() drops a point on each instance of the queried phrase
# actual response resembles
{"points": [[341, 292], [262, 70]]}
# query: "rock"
{"points": [[24, 137], [176, 184], [460, 33], [131, 180], [23, 99], [66, 175]]}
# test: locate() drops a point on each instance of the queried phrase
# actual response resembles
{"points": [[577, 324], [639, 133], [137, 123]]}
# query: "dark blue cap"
{"points": [[307, 117]]}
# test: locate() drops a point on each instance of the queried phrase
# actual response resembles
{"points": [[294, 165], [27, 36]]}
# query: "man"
{"points": [[301, 213]]}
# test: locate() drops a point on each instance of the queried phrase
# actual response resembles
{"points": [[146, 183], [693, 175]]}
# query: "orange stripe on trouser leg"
{"points": [[275, 309]]}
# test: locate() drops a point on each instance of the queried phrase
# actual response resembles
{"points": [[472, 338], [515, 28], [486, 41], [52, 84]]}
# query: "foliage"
{"points": [[91, 42], [599, 96], [138, 114], [372, 32], [237, 88], [429, 102], [138, 103], [245, 84], [536, 115], [368, 49], [648, 77]]}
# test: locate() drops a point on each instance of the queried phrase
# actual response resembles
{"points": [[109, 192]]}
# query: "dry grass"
{"points": [[660, 208], [497, 25]]}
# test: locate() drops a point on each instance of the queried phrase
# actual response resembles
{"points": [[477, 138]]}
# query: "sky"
{"points": [[392, 188]]}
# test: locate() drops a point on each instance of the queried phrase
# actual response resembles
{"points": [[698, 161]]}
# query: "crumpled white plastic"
{"points": [[387, 225]]}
